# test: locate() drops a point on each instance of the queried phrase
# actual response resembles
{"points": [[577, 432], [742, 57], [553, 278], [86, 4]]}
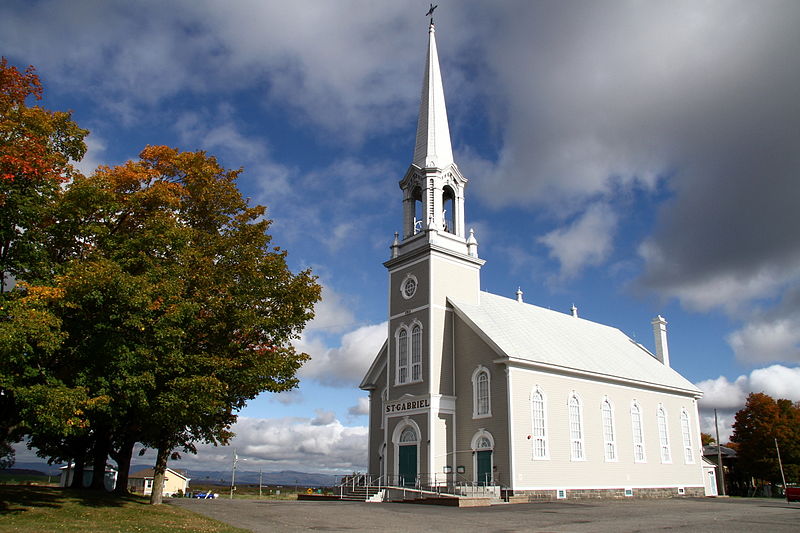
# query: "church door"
{"points": [[484, 464], [408, 465]]}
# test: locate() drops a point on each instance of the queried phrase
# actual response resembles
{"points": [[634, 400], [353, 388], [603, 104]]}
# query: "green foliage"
{"points": [[151, 303], [758, 425]]}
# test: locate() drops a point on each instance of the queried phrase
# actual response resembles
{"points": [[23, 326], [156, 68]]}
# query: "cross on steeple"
{"points": [[430, 12]]}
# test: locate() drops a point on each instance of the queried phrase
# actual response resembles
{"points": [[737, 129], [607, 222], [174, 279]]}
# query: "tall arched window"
{"points": [[448, 209], [688, 454], [416, 353], [402, 356], [539, 429], [609, 440], [575, 429], [663, 435], [481, 396], [638, 434]]}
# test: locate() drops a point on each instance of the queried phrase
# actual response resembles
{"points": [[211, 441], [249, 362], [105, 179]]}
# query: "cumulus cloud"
{"points": [[772, 335], [346, 364], [360, 409], [321, 444], [728, 396], [586, 241]]}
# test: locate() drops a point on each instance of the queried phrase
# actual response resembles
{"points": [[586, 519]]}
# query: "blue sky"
{"points": [[632, 158]]}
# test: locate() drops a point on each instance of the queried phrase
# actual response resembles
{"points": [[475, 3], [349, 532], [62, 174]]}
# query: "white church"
{"points": [[476, 387]]}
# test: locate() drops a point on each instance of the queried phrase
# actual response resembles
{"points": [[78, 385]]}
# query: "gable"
{"points": [[377, 367]]}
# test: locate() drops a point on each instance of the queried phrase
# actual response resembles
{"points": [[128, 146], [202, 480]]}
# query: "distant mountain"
{"points": [[285, 477], [41, 468]]}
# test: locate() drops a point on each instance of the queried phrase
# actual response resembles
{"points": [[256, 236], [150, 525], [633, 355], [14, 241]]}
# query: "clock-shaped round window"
{"points": [[409, 287]]}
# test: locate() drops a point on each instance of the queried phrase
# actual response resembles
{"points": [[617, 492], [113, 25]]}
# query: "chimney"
{"points": [[519, 294], [660, 334], [574, 311]]}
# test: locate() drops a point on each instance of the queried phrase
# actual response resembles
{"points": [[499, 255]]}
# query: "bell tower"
{"points": [[434, 259]]}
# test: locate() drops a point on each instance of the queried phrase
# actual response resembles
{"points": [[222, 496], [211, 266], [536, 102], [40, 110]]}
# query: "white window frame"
{"points": [[577, 446], [609, 431], [415, 352], [408, 340], [539, 439], [663, 434], [476, 374], [637, 426], [686, 433], [401, 344]]}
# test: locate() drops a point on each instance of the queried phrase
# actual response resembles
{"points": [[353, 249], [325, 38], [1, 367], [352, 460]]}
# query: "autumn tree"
{"points": [[37, 147], [757, 426], [176, 306]]}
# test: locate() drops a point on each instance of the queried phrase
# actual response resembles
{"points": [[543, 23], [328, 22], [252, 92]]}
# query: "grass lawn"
{"points": [[37, 509]]}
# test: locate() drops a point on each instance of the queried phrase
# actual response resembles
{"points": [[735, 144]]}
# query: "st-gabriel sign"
{"points": [[406, 404]]}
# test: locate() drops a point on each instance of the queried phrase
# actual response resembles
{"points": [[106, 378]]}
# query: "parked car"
{"points": [[206, 495], [793, 493]]}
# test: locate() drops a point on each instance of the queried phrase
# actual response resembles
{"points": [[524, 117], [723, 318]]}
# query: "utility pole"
{"points": [[233, 472], [260, 474], [780, 463], [719, 456]]}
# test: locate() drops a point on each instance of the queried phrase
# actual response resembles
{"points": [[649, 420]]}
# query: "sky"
{"points": [[631, 158]]}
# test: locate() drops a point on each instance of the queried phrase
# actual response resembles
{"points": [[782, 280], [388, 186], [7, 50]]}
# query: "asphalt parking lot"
{"points": [[689, 514]]}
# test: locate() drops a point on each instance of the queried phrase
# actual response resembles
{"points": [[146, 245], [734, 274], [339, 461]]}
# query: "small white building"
{"points": [[67, 473], [141, 482], [479, 388]]}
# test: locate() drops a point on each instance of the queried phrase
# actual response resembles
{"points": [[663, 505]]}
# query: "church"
{"points": [[471, 387]]}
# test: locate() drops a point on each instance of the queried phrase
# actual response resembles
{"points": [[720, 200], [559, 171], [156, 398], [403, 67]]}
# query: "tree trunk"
{"points": [[158, 474], [123, 459], [77, 474], [99, 459]]}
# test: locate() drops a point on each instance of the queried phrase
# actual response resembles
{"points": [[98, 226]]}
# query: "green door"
{"points": [[408, 465], [485, 467]]}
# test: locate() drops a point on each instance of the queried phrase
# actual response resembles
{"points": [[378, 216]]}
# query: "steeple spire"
{"points": [[433, 147]]}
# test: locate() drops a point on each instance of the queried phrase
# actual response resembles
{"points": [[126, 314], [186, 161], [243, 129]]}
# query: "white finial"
{"points": [[519, 294], [395, 245], [472, 244], [574, 311]]}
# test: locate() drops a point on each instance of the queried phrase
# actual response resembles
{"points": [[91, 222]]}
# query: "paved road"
{"points": [[704, 515]]}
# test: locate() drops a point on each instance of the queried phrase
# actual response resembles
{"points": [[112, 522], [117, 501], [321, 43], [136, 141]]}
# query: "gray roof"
{"points": [[534, 335]]}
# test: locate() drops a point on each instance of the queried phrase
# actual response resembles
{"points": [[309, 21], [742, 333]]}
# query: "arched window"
{"points": [[448, 207], [408, 435], [539, 429], [576, 429], [481, 396], [638, 434], [402, 356], [663, 435], [416, 353], [688, 454], [609, 440]]}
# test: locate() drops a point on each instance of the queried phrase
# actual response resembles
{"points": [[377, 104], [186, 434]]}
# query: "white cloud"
{"points": [[361, 408], [345, 365], [321, 444], [290, 397], [95, 150], [728, 396], [585, 242]]}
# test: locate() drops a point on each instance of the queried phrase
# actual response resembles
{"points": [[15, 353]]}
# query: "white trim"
{"points": [[409, 276], [663, 440], [475, 400], [688, 450], [546, 457], [398, 430], [480, 434], [581, 440], [408, 312], [613, 441], [512, 459], [635, 404]]}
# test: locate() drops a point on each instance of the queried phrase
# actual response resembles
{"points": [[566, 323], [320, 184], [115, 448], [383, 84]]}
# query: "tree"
{"points": [[706, 439], [757, 427], [176, 307], [36, 150]]}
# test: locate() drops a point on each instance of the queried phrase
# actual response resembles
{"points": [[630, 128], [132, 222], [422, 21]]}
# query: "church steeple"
{"points": [[433, 187], [432, 148]]}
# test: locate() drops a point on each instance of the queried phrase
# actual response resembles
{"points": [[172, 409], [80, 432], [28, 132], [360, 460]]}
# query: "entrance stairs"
{"points": [[362, 493]]}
